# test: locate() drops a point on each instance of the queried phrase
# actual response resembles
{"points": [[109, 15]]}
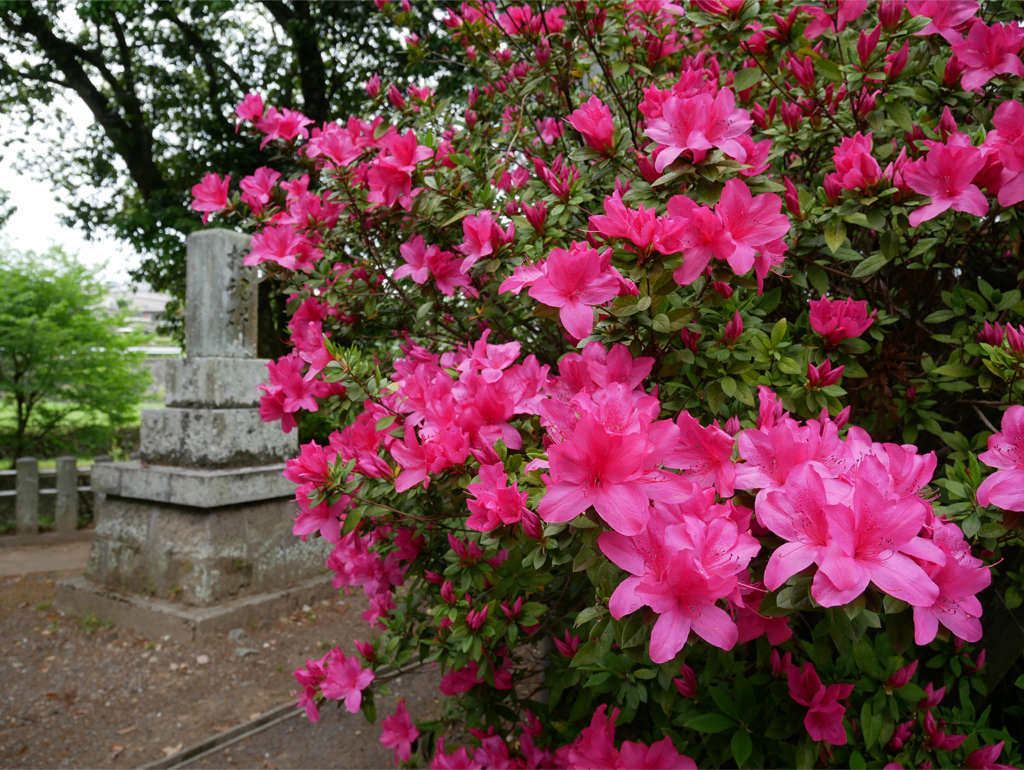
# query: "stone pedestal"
{"points": [[198, 531]]}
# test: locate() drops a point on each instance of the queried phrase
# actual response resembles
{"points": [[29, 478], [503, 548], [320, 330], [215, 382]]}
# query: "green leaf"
{"points": [[954, 370], [741, 746], [779, 331], [746, 78], [456, 218], [352, 519], [900, 115], [710, 723], [818, 278], [585, 615], [939, 316], [386, 422], [587, 655], [729, 386], [661, 323], [835, 233], [870, 266], [829, 70], [806, 753]]}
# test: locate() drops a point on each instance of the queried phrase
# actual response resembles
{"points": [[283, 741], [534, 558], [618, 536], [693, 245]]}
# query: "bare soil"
{"points": [[75, 693]]}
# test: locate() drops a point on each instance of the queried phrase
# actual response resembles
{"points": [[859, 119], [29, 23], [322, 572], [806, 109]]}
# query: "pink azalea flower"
{"points": [[956, 606], [947, 16], [1005, 488], [838, 320], [752, 222], [477, 238], [704, 455], [824, 719], [457, 760], [257, 189], [494, 504], [696, 125], [414, 252], [346, 680], [574, 282], [989, 51], [398, 732], [875, 536], [797, 514], [251, 108], [460, 681], [856, 169], [597, 468], [825, 19], [685, 599], [985, 758], [593, 119], [284, 124], [285, 245], [945, 176], [595, 747], [210, 195], [703, 239], [1008, 141]]}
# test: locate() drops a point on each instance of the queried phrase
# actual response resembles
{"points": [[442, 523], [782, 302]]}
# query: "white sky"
{"points": [[35, 227]]}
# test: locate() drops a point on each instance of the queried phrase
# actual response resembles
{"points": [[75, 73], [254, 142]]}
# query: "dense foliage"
{"points": [[160, 80], [61, 353], [676, 357]]}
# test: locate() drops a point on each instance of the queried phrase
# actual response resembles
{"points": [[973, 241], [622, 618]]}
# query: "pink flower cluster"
{"points": [[853, 508], [573, 281], [1005, 488], [288, 391], [595, 747], [743, 230], [446, 418], [338, 677], [838, 320], [824, 719]]}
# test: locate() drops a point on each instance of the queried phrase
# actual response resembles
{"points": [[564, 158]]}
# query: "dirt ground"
{"points": [[75, 693]]}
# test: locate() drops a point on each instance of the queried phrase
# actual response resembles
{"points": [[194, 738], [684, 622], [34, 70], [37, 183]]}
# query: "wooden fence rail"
{"points": [[27, 493]]}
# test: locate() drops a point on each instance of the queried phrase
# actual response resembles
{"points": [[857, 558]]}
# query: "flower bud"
{"points": [[733, 330], [687, 683], [396, 98], [722, 288], [732, 425], [373, 86], [902, 676], [890, 12]]}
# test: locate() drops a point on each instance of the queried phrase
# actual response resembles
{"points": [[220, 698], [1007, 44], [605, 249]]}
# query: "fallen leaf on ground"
{"points": [[127, 730], [171, 750]]}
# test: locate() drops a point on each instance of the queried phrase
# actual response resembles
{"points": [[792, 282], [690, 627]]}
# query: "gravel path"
{"points": [[78, 694]]}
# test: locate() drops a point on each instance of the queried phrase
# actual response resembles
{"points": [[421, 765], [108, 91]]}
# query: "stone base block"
{"points": [[191, 487], [222, 383], [213, 438], [198, 557], [157, 617]]}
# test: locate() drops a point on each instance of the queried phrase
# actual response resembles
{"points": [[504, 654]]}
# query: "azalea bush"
{"points": [[674, 375]]}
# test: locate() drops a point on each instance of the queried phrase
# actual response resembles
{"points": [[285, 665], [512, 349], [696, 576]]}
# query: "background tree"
{"points": [[59, 350], [161, 80]]}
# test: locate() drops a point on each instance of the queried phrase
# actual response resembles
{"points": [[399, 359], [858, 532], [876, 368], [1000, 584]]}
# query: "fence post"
{"points": [[26, 508], [66, 506]]}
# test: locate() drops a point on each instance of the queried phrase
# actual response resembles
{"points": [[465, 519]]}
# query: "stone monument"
{"points": [[195, 536]]}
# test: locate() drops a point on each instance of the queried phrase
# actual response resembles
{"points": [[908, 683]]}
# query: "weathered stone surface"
{"points": [[66, 505], [220, 296], [192, 487], [27, 502], [213, 438], [159, 617], [200, 557], [223, 383]]}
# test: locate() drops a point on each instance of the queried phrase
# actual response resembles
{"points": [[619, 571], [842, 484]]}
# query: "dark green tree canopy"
{"points": [[59, 350], [162, 79]]}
